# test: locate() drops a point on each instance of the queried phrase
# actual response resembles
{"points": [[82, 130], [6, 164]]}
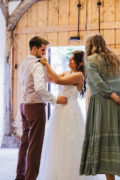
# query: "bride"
{"points": [[65, 130]]}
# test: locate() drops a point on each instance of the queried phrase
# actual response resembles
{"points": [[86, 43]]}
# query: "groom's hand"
{"points": [[62, 100]]}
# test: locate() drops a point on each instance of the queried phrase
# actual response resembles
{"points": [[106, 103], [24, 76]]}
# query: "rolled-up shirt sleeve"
{"points": [[40, 85], [95, 78]]}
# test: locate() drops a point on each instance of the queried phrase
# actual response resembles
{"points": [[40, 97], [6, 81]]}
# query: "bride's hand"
{"points": [[44, 61]]}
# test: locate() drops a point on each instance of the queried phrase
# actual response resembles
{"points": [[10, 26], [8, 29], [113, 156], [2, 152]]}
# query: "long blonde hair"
{"points": [[95, 44]]}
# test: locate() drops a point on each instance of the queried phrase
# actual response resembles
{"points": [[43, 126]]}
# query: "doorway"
{"points": [[58, 57]]}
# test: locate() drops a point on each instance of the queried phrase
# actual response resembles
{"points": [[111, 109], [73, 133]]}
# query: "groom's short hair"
{"points": [[37, 41]]}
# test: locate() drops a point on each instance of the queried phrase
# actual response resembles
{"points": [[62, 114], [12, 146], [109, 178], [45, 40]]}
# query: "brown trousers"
{"points": [[33, 125]]}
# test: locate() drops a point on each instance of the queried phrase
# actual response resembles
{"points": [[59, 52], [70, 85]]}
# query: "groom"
{"points": [[35, 95]]}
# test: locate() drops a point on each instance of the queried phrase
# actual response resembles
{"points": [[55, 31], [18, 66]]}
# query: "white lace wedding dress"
{"points": [[63, 140]]}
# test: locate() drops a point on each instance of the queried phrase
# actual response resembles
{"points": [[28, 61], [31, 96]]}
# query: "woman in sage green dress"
{"points": [[101, 148]]}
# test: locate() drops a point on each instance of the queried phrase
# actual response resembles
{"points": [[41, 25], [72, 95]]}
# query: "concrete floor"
{"points": [[8, 163]]}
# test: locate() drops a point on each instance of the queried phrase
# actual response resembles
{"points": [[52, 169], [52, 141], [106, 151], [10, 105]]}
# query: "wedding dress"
{"points": [[63, 140]]}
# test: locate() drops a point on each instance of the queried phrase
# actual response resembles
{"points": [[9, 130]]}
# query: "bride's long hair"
{"points": [[78, 57]]}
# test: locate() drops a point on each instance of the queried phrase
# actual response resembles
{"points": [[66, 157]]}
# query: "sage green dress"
{"points": [[101, 147]]}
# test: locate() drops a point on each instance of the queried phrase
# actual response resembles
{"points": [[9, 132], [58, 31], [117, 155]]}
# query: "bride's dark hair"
{"points": [[78, 57]]}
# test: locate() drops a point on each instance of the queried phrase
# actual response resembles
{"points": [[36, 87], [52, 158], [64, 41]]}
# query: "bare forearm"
{"points": [[62, 79], [53, 75]]}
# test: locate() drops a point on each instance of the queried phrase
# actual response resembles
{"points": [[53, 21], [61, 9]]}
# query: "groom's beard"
{"points": [[38, 56]]}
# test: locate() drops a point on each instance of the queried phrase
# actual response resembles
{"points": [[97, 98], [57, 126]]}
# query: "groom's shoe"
{"points": [[20, 177]]}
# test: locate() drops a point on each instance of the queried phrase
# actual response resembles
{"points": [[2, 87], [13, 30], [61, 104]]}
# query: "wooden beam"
{"points": [[47, 29], [19, 11], [3, 7], [66, 28], [104, 26], [14, 0]]}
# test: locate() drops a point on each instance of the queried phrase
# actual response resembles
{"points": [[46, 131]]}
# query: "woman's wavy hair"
{"points": [[95, 44], [78, 57]]}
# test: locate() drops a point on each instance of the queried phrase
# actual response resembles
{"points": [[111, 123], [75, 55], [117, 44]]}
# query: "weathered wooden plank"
{"points": [[67, 28], [117, 36], [89, 9], [48, 29], [83, 12], [32, 18], [82, 37], [94, 11], [117, 46], [53, 10], [109, 36], [63, 39], [43, 35], [21, 40], [102, 12], [109, 10], [117, 10], [73, 16], [63, 12], [21, 57], [53, 39], [42, 13]]}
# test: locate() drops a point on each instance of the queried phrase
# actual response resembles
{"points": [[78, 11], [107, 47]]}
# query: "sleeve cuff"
{"points": [[55, 100]]}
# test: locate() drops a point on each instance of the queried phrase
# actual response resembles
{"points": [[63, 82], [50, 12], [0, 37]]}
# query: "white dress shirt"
{"points": [[33, 82]]}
